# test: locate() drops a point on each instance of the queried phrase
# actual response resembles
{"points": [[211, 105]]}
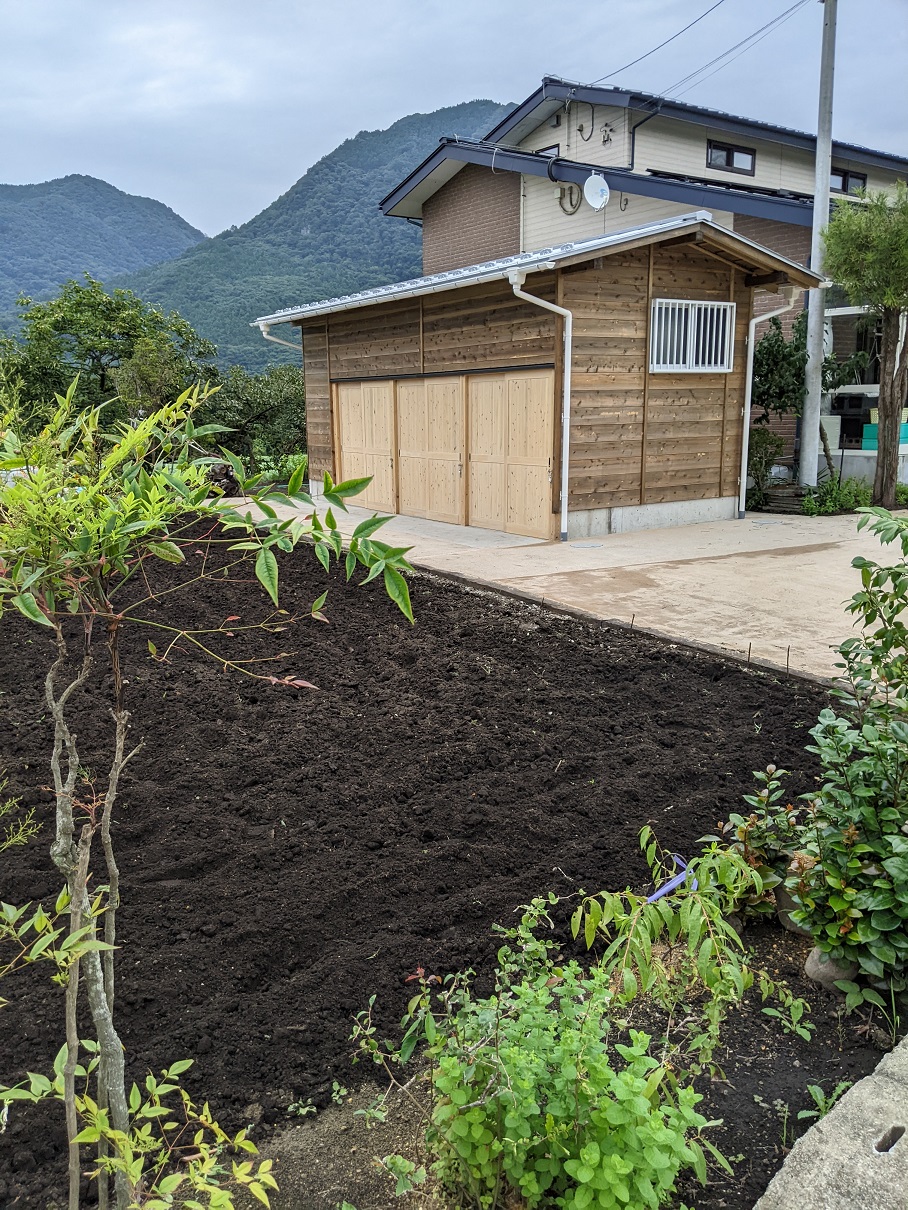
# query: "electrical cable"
{"points": [[745, 43], [785, 18], [634, 62]]}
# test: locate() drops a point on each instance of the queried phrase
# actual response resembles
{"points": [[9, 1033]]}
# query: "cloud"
{"points": [[217, 106]]}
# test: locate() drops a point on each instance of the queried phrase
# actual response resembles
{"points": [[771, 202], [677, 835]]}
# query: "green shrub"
{"points": [[852, 881], [533, 1096], [835, 495], [764, 450]]}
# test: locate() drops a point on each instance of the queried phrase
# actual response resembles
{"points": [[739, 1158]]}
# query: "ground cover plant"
{"points": [[277, 878]]}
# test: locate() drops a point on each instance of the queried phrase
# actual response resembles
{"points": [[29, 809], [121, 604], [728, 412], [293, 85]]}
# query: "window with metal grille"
{"points": [[691, 337]]}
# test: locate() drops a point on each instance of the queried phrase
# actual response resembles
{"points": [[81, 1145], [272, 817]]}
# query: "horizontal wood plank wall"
{"points": [[689, 443], [486, 327], [319, 426], [608, 299], [692, 431]]}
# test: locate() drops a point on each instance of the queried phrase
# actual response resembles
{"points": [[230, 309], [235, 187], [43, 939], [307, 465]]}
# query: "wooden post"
{"points": [[646, 365]]}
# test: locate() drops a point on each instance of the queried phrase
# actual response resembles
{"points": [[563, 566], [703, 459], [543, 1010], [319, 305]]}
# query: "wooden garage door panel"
{"points": [[529, 497], [366, 422], [350, 417], [411, 432], [530, 418], [445, 449], [488, 475]]}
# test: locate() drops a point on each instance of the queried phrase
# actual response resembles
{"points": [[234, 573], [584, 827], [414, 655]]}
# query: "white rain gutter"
{"points": [[265, 330], [517, 277], [792, 293]]}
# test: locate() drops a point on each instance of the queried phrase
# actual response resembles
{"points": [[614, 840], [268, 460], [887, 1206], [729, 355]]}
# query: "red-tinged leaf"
{"points": [[318, 616], [228, 634], [234, 617]]}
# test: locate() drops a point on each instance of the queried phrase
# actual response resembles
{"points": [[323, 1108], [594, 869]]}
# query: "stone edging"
{"points": [[856, 1158]]}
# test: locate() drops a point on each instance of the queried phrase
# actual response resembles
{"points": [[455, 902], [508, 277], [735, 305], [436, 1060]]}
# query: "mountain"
{"points": [[325, 236], [61, 229]]}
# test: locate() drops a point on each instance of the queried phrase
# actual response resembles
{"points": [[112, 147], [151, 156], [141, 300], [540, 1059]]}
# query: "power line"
{"points": [[634, 62], [746, 43]]}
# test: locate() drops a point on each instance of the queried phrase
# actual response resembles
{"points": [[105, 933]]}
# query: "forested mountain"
{"points": [[325, 236], [61, 229]]}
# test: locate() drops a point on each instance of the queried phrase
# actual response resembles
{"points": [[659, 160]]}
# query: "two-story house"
{"points": [[519, 190], [566, 367]]}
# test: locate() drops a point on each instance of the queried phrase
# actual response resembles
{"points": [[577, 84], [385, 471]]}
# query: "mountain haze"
{"points": [[325, 236], [61, 229]]}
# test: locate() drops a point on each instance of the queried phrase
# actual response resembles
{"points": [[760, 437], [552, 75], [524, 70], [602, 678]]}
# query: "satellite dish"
{"points": [[596, 191]]}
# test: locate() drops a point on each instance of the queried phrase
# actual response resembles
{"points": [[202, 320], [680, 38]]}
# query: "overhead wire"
{"points": [[634, 62], [691, 80]]}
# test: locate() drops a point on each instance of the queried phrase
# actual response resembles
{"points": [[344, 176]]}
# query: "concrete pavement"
{"points": [[769, 586]]}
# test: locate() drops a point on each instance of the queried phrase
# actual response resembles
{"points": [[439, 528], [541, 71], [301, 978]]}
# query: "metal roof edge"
{"points": [[526, 262], [720, 195]]}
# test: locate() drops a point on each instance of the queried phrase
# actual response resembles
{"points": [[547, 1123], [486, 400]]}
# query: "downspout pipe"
{"points": [[265, 330], [791, 292], [517, 278]]}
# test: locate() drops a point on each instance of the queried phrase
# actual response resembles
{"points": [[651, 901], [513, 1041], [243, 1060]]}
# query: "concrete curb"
{"points": [[856, 1158], [492, 588]]}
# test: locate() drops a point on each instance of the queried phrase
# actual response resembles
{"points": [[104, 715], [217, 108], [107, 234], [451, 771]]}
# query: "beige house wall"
{"points": [[543, 222]]}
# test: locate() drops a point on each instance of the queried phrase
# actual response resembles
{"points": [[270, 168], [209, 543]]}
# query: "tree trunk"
{"points": [[893, 388], [80, 878], [827, 452]]}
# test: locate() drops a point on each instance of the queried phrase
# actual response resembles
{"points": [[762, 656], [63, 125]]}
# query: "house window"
{"points": [[842, 180], [731, 158], [554, 150], [691, 337]]}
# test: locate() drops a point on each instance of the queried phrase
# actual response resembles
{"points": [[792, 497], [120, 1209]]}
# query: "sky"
{"points": [[216, 107]]}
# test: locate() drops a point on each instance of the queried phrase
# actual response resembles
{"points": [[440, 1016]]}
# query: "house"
{"points": [[519, 189], [594, 386]]}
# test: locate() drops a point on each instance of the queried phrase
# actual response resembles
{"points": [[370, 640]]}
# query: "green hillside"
{"points": [[325, 236], [61, 229]]}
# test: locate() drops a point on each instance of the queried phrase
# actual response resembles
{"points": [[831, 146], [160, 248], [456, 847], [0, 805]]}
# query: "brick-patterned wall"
{"points": [[474, 218], [793, 242]]}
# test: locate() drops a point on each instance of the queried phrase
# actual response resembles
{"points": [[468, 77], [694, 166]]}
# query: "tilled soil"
{"points": [[287, 853]]}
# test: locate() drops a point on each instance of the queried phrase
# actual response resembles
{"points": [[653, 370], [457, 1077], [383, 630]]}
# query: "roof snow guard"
{"points": [[545, 258]]}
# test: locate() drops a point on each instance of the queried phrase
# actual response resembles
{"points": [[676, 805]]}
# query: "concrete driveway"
{"points": [[773, 587]]}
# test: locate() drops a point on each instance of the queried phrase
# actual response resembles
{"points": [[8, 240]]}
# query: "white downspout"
{"points": [[791, 292], [265, 330], [517, 278]]}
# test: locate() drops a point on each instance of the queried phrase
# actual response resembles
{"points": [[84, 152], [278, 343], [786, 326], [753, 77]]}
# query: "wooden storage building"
{"points": [[448, 390]]}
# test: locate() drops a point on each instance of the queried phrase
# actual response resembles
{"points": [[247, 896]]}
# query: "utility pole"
{"points": [[810, 419]]}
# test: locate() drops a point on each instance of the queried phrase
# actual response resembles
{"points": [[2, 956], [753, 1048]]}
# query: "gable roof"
{"points": [[699, 227], [555, 92], [498, 148]]}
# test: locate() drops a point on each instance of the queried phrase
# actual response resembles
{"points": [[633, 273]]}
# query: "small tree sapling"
{"points": [[82, 512]]}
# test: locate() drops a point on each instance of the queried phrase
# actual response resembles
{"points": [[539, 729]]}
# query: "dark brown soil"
{"points": [[286, 854]]}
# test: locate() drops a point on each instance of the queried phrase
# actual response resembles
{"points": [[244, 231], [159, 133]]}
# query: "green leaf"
{"points": [[27, 605], [266, 572], [168, 551], [296, 479], [397, 590]]}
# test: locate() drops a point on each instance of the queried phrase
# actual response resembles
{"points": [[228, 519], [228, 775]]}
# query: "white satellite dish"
{"points": [[596, 191]]}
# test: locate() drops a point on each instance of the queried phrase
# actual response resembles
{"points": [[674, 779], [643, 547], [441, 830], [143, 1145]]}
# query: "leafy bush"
{"points": [[852, 879], [764, 450], [835, 495], [534, 1098]]}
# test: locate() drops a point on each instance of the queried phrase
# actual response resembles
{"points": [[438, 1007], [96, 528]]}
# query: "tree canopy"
{"points": [[118, 345], [866, 250]]}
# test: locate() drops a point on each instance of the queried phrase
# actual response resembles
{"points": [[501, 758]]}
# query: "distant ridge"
{"points": [[61, 229], [325, 236]]}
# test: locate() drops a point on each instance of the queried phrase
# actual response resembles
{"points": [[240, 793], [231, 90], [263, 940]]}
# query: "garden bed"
{"points": [[287, 853]]}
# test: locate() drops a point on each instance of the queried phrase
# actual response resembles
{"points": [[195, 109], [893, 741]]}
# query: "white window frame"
{"points": [[691, 337]]}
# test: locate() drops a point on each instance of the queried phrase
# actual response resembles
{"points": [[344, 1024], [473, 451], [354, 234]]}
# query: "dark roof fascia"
{"points": [[554, 89], [698, 197]]}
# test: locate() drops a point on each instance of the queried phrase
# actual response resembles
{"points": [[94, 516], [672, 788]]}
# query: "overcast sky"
{"points": [[217, 106]]}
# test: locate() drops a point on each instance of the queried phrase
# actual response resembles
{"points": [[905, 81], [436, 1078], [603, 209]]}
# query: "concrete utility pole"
{"points": [[810, 420]]}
